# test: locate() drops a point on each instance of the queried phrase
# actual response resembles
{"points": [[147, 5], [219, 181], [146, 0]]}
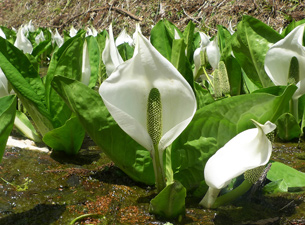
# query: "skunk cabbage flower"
{"points": [[30, 27], [22, 42], [111, 56], [136, 33], [213, 53], [72, 32], [247, 150], [123, 38], [149, 99], [230, 28], [2, 34], [86, 69], [4, 87], [91, 32], [58, 39], [39, 38], [200, 53], [285, 61]]}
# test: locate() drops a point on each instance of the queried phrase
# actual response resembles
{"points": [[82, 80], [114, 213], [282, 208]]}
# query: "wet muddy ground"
{"points": [[42, 188]]}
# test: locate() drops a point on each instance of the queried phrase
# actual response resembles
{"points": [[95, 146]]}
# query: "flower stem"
{"points": [[210, 197], [234, 194], [158, 169]]}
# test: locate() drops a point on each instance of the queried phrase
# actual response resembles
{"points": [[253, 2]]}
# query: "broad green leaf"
{"points": [[162, 39], [289, 175], [287, 127], [250, 44], [275, 187], [215, 124], [203, 96], [94, 57], [188, 36], [180, 61], [7, 116], [125, 51], [26, 83], [89, 108], [67, 138], [291, 26], [101, 40], [43, 46], [9, 34], [170, 202], [67, 62]]}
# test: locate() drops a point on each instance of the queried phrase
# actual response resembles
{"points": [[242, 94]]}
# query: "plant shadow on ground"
{"points": [[42, 214]]}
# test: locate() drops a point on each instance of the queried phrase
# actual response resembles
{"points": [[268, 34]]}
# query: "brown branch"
{"points": [[121, 11]]}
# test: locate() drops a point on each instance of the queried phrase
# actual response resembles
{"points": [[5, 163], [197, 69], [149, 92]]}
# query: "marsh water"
{"points": [[52, 188]]}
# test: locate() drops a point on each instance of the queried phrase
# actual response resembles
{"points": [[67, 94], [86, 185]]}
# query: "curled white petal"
{"points": [[86, 69], [125, 93], [22, 42], [2, 34], [213, 53], [72, 32], [123, 38], [247, 150], [39, 38], [278, 57], [58, 39], [111, 56]]}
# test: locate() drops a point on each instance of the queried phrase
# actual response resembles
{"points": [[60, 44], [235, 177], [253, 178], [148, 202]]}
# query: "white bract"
{"points": [[4, 87], [2, 34], [123, 37], [111, 56], [279, 56], [39, 38], [58, 39], [72, 31], [91, 32], [247, 150], [22, 42], [208, 50], [126, 92], [86, 69]]}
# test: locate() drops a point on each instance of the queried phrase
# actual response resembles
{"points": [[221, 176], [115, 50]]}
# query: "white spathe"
{"points": [[22, 42], [4, 90], [86, 69], [111, 56], [247, 150], [58, 39], [123, 37], [125, 93], [72, 31], [2, 34], [39, 38], [278, 57]]}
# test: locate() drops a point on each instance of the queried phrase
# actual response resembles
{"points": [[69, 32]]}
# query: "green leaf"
{"points": [[290, 176], [275, 187], [180, 61], [203, 96], [67, 138], [125, 51], [7, 116], [67, 62], [215, 124], [170, 202], [26, 83], [287, 127], [162, 39], [25, 126], [94, 58], [250, 44], [89, 108], [188, 36]]}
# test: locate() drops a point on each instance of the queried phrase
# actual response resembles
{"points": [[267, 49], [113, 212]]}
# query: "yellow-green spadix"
{"points": [[126, 94]]}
